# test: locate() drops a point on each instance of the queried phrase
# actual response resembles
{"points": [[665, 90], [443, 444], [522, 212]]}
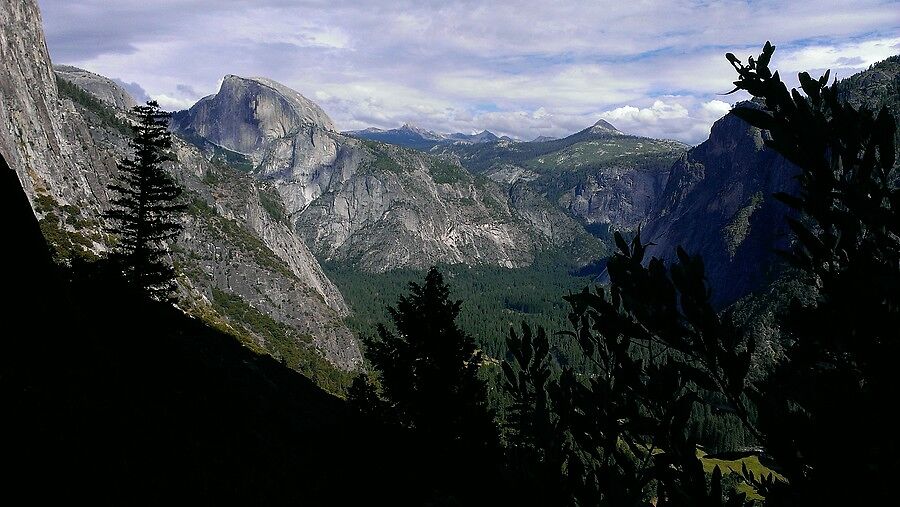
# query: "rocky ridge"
{"points": [[99, 86], [599, 176], [234, 243], [377, 206], [417, 138], [718, 203]]}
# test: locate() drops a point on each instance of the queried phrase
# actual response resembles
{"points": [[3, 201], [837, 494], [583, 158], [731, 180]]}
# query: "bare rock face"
{"points": [[377, 206], [41, 136], [237, 245], [247, 113], [101, 87], [718, 203], [620, 195], [381, 220]]}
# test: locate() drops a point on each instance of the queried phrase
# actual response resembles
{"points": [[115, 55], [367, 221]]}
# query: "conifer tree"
{"points": [[820, 416], [429, 369], [145, 211]]}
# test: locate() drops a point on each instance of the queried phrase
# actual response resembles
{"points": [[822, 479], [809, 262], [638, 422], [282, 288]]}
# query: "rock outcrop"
{"points": [[236, 247], [99, 86], [249, 113], [43, 137], [718, 203], [374, 205]]}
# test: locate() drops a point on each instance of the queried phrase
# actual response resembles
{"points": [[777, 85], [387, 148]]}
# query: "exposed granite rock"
{"points": [[65, 156], [619, 195], [718, 203], [101, 87], [247, 113], [382, 220], [44, 138], [376, 205]]}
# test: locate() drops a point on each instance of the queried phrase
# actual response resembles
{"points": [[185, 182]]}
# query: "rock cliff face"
{"points": [[257, 111], [237, 243], [101, 87], [718, 203], [371, 204], [237, 249], [424, 212], [600, 176], [43, 137]]}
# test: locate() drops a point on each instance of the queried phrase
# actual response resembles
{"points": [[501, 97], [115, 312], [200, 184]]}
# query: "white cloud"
{"points": [[172, 103], [851, 56], [716, 108], [659, 111], [522, 68], [683, 118]]}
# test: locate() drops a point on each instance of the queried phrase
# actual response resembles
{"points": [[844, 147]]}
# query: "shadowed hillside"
{"points": [[114, 398]]}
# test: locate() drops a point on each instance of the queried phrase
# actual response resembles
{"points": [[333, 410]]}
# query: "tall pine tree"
{"points": [[430, 390], [145, 212], [429, 368]]}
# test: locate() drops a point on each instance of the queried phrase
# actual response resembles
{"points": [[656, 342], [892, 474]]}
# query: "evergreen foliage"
{"points": [[824, 405], [428, 368], [146, 211], [496, 298], [430, 388], [621, 436]]}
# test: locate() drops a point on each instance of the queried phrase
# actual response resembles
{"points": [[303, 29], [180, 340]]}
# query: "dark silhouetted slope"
{"points": [[113, 398]]}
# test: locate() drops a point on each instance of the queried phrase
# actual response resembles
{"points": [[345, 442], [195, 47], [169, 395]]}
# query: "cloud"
{"points": [[137, 92], [173, 103], [681, 118], [545, 68]]}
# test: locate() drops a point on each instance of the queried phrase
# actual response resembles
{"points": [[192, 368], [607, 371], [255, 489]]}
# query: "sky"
{"points": [[517, 68]]}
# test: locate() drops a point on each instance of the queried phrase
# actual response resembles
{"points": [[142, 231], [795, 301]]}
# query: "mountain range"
{"points": [[417, 138], [275, 191]]}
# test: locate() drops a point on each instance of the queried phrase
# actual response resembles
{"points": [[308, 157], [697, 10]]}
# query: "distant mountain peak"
{"points": [[412, 136], [603, 126], [305, 109]]}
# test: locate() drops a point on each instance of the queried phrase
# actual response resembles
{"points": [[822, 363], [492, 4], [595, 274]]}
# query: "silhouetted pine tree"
{"points": [[427, 370], [145, 212], [660, 347]]}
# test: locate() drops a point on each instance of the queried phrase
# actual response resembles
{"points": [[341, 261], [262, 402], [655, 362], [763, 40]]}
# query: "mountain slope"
{"points": [[375, 205], [416, 138], [406, 136], [114, 398], [44, 139], [718, 203], [601, 176], [64, 143], [718, 200], [101, 87]]}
